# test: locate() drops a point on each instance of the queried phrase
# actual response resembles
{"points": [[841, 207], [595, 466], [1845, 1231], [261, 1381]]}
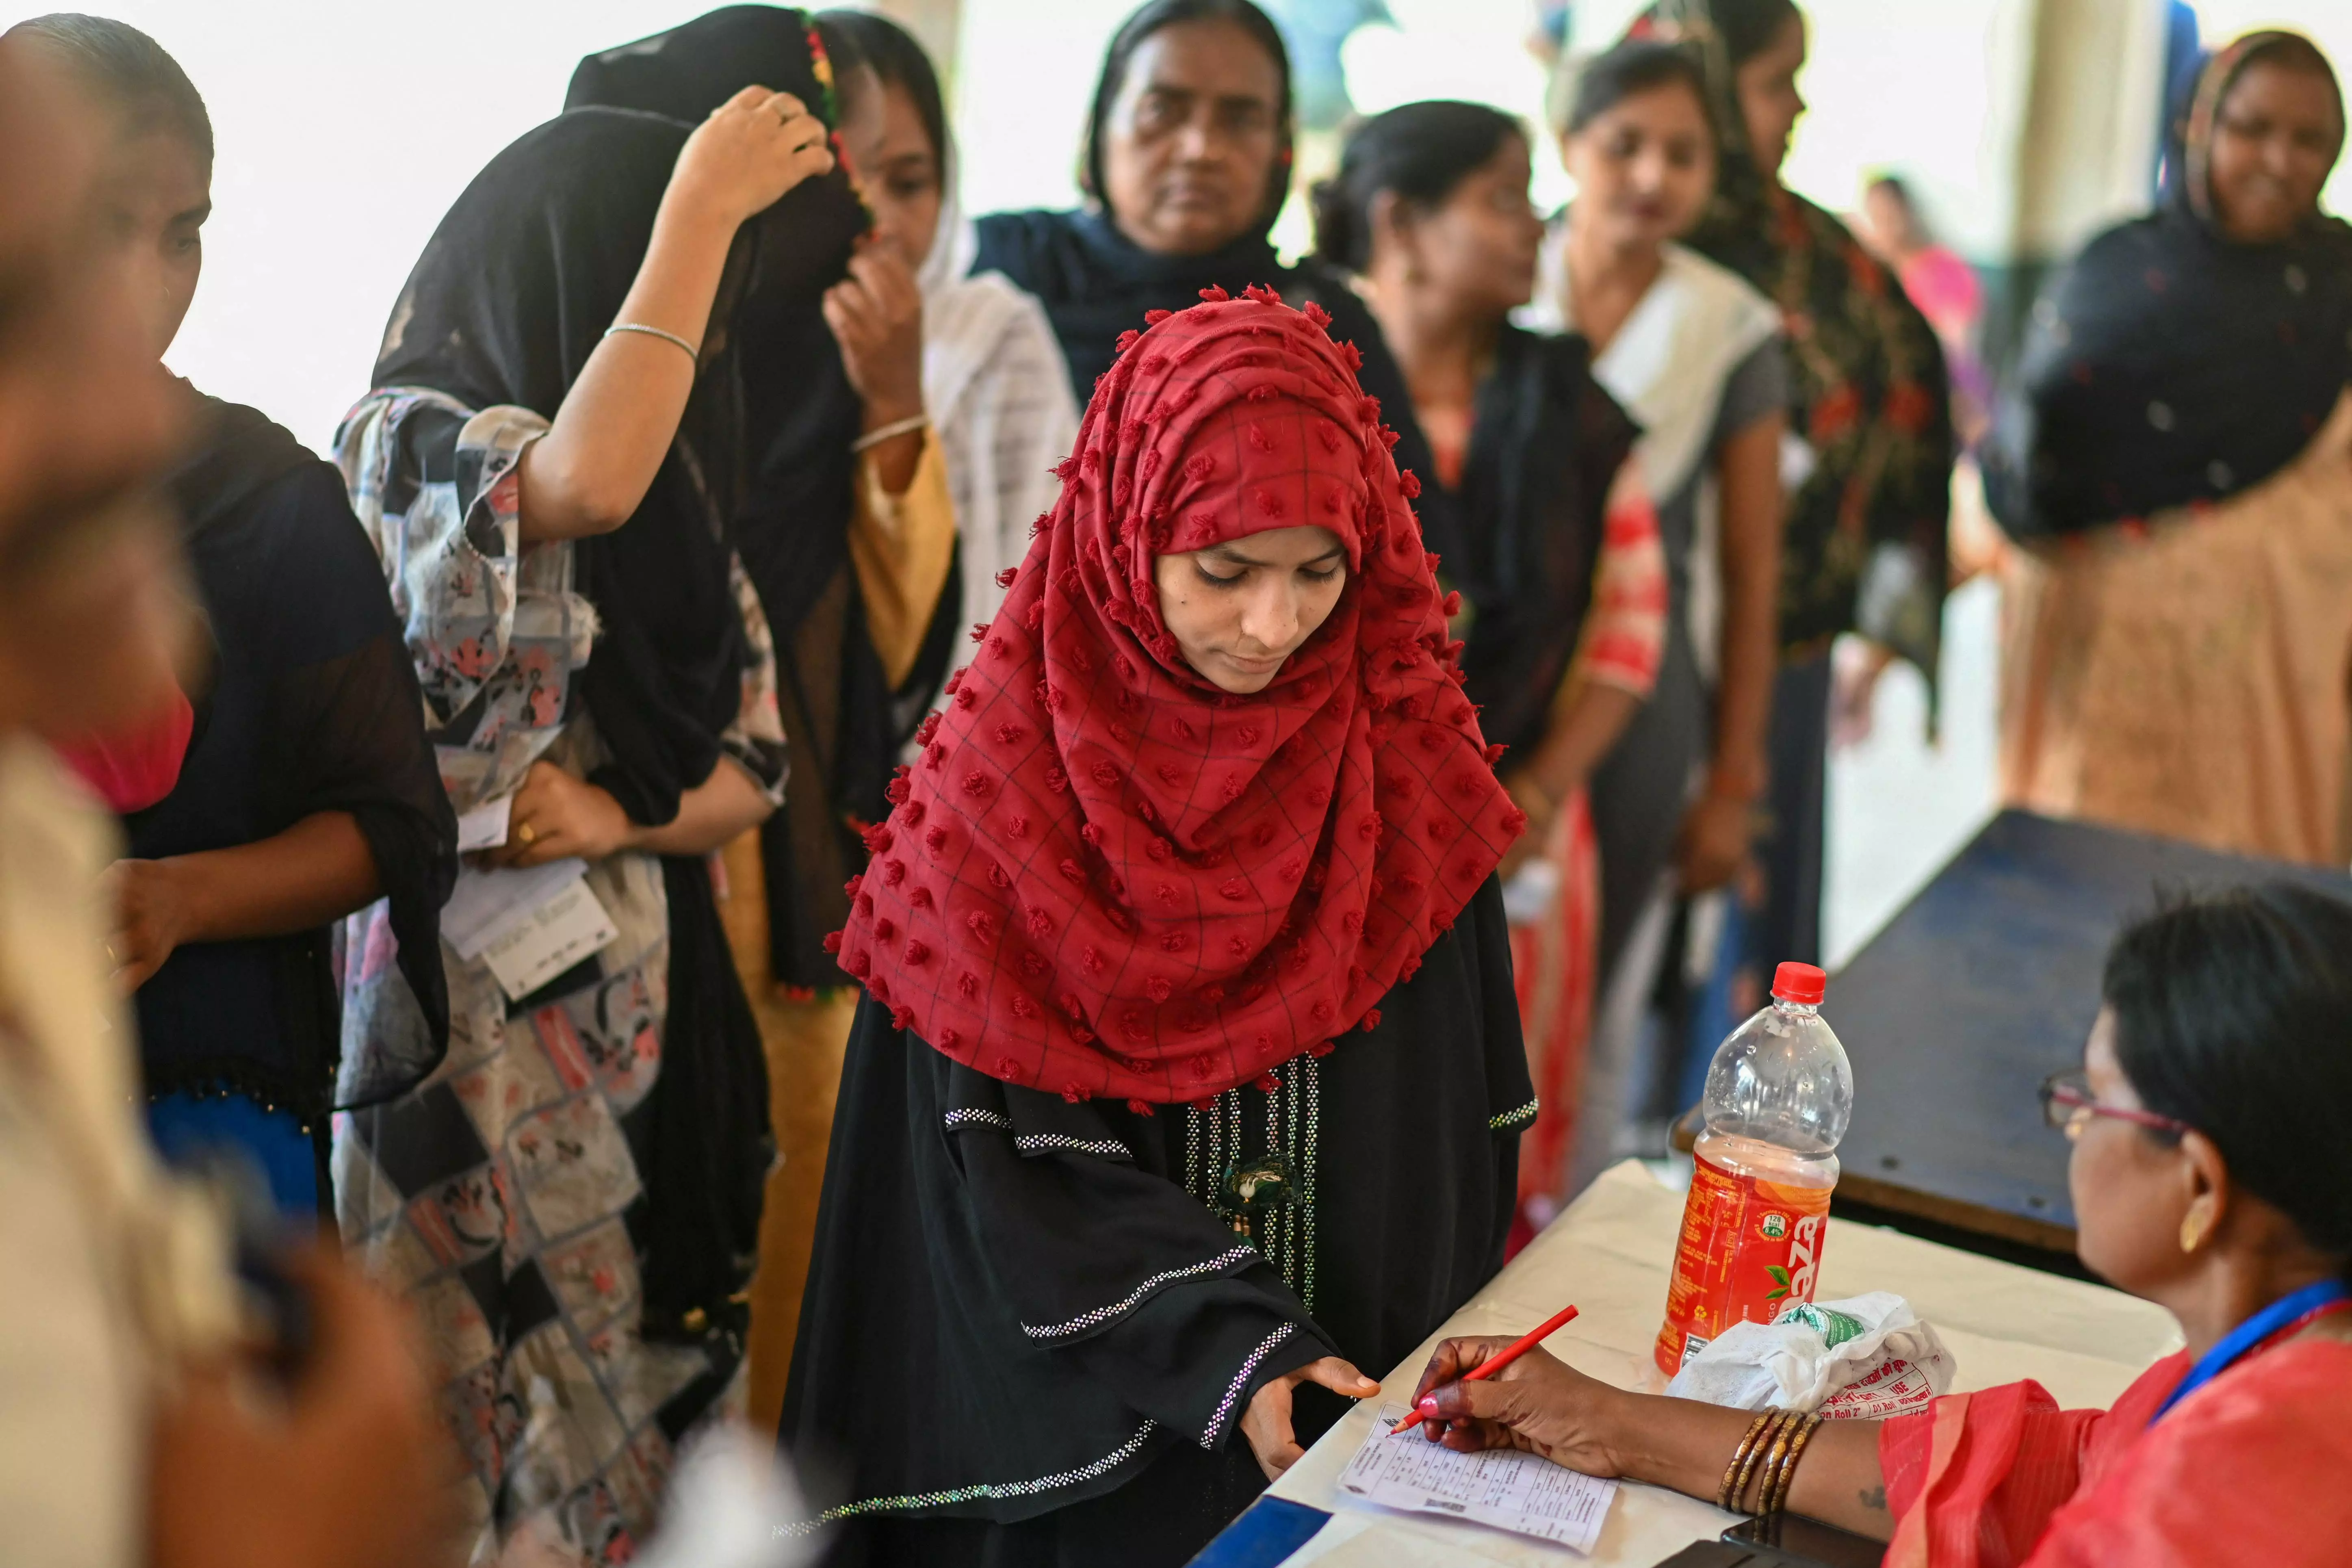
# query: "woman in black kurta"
{"points": [[1189, 1057]]}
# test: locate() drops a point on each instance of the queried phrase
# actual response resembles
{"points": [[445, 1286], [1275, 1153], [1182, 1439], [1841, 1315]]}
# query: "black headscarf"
{"points": [[1095, 283], [309, 704], [512, 296], [792, 525], [2172, 366]]}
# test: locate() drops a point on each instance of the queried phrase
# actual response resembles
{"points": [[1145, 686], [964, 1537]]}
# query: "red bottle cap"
{"points": [[1799, 982]]}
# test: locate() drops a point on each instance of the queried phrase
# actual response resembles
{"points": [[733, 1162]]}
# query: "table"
{"points": [[1610, 1254], [1984, 984]]}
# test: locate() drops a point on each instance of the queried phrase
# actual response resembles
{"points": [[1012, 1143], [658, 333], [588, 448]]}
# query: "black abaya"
{"points": [[1027, 1340]]}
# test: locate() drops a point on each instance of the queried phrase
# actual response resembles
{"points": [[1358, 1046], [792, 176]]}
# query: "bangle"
{"points": [[1735, 1474], [691, 351], [890, 432], [1769, 1459], [1778, 1497]]}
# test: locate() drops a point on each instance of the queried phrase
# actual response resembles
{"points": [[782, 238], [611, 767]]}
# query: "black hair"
{"points": [[1635, 67], [129, 69], [1157, 17], [842, 52], [899, 61], [1750, 27], [2233, 1013], [1422, 152]]}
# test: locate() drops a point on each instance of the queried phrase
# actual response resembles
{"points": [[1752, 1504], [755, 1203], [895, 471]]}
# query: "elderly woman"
{"points": [[2179, 619], [2212, 1176], [1186, 163], [1189, 1064]]}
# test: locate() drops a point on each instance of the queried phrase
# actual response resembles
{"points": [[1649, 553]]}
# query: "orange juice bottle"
{"points": [[1779, 1096]]}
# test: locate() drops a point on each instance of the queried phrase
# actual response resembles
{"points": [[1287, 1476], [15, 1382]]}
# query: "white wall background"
{"points": [[345, 131]]}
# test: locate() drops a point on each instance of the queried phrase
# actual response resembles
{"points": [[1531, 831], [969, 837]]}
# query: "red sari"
{"points": [[2255, 1469]]}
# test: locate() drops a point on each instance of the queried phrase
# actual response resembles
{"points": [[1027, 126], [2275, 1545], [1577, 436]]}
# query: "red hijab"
{"points": [[1106, 877]]}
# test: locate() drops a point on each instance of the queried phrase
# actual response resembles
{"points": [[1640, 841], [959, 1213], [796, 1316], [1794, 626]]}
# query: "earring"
{"points": [[2192, 1229]]}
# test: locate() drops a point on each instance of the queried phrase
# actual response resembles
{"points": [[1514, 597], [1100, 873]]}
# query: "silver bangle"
{"points": [[691, 351], [891, 432]]}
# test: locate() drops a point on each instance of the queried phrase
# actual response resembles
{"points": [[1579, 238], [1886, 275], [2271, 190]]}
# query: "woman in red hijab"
{"points": [[1188, 1076]]}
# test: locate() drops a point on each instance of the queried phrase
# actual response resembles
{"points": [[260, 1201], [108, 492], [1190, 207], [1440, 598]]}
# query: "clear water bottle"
{"points": [[1779, 1096]]}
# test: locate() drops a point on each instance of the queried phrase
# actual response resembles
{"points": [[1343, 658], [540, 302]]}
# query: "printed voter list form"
{"points": [[1523, 1493]]}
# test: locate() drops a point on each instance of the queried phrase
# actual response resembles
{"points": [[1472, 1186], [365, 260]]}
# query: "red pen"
{"points": [[1493, 1364]]}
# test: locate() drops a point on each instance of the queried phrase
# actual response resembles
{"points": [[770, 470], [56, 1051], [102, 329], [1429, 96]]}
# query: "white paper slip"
{"points": [[485, 902], [1523, 1493], [485, 827], [529, 926]]}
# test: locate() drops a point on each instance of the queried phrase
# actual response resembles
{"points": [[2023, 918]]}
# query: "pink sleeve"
{"points": [[1625, 631], [1972, 1481], [2250, 1470]]}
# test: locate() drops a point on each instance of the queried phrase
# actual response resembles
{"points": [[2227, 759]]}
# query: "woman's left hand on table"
{"points": [[1267, 1423]]}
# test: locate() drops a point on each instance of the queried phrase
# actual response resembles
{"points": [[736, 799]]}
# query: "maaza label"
{"points": [[1750, 1248]]}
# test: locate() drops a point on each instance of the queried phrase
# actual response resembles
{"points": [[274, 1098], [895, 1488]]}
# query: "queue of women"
{"points": [[1176, 996]]}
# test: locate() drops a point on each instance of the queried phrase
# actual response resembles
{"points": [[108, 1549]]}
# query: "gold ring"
{"points": [[527, 833]]}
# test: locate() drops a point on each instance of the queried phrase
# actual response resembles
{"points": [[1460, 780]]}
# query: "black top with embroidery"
{"points": [[1032, 1328]]}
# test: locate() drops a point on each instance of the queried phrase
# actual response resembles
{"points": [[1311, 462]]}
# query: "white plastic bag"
{"points": [[1863, 1358]]}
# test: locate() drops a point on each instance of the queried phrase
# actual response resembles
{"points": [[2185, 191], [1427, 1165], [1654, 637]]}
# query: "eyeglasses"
{"points": [[2068, 1105]]}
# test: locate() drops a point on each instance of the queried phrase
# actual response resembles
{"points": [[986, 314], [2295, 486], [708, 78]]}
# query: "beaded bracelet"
{"points": [[1732, 1476]]}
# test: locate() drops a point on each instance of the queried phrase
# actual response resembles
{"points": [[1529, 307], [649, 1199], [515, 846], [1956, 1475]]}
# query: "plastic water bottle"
{"points": [[1779, 1096]]}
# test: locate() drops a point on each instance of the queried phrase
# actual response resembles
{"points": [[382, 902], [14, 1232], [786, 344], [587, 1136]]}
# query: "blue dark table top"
{"points": [[1984, 984]]}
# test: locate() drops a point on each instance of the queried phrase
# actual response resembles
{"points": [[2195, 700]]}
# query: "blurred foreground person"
{"points": [[135, 1426], [2178, 620], [291, 783], [2210, 1176]]}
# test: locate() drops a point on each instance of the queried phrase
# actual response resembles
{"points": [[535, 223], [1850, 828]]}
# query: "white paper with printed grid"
{"points": [[1523, 1493]]}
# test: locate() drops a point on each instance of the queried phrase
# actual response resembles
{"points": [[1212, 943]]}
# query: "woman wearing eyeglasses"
{"points": [[2210, 1176]]}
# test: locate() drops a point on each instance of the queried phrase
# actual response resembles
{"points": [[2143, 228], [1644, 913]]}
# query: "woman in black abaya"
{"points": [[1189, 1072]]}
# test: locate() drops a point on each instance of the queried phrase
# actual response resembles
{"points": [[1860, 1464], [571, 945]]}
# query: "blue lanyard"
{"points": [[2285, 1313]]}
